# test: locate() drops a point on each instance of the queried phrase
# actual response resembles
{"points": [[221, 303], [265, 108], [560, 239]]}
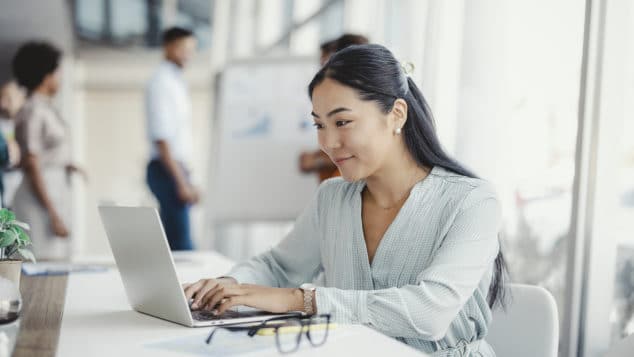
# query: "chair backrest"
{"points": [[623, 348], [529, 327]]}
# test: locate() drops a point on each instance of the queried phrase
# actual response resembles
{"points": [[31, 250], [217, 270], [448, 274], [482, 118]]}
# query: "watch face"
{"points": [[307, 286]]}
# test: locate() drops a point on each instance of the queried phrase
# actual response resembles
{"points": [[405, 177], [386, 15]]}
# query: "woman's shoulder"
{"points": [[463, 188], [33, 108], [337, 187], [336, 194]]}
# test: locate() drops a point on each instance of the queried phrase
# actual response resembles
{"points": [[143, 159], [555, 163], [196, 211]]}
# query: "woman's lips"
{"points": [[341, 160]]}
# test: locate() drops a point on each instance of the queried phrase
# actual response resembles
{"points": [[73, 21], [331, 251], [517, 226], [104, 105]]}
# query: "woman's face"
{"points": [[52, 81], [357, 136]]}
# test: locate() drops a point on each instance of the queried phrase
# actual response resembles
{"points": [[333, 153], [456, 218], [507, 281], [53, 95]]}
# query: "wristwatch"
{"points": [[308, 290]]}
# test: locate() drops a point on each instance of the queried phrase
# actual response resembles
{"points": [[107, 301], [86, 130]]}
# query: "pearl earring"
{"points": [[397, 131]]}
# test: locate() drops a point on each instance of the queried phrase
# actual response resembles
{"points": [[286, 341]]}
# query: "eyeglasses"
{"points": [[288, 331]]}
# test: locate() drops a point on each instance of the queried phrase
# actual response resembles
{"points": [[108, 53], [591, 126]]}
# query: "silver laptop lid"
{"points": [[145, 262]]}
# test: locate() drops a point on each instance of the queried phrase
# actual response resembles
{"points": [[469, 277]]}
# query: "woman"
{"points": [[407, 239], [318, 161], [42, 198]]}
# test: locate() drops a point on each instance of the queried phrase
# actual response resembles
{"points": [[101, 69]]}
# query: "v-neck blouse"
{"points": [[429, 279]]}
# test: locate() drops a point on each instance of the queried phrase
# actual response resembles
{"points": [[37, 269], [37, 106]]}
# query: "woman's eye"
{"points": [[342, 122], [318, 126]]}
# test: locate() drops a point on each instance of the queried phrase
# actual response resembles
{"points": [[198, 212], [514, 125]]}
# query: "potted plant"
{"points": [[14, 243]]}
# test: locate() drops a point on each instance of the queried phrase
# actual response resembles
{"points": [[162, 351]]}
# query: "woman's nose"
{"points": [[330, 141]]}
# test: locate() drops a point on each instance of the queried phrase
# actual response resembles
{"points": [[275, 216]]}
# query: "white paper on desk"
{"points": [[53, 268], [230, 343], [234, 343]]}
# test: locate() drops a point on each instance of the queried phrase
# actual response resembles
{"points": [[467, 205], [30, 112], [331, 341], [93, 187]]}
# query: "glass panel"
{"points": [[128, 21], [543, 99], [517, 122], [331, 22], [140, 22], [622, 314], [89, 19]]}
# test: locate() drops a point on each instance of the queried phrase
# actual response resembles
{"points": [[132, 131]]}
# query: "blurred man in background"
{"points": [[169, 129]]}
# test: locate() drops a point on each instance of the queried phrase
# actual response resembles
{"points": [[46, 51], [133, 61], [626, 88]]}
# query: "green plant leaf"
{"points": [[7, 238], [6, 215], [16, 231], [13, 230], [27, 254], [13, 236], [22, 225], [22, 236]]}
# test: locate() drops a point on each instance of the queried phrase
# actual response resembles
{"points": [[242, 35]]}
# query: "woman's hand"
{"points": [[265, 298], [197, 290], [58, 226], [226, 296], [74, 169]]}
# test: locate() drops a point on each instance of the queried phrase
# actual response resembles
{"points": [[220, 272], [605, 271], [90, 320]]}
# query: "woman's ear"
{"points": [[399, 110]]}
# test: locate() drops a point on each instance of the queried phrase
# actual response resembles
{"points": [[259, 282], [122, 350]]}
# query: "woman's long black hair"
{"points": [[377, 76]]}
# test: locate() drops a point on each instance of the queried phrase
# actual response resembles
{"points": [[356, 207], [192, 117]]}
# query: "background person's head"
{"points": [[11, 99], [179, 45], [328, 48], [36, 67]]}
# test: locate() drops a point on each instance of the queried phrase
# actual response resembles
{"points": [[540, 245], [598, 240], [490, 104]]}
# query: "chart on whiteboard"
{"points": [[264, 124], [277, 108]]}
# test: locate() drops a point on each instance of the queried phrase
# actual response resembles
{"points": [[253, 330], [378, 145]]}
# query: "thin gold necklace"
{"points": [[395, 205], [400, 200]]}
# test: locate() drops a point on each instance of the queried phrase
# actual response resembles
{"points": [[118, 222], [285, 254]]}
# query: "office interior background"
{"points": [[535, 96]]}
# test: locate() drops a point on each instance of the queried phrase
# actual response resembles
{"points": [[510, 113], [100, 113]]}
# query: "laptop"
{"points": [[146, 265]]}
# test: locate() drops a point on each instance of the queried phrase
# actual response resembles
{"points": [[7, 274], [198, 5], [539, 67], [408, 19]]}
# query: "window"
{"points": [[139, 23]]}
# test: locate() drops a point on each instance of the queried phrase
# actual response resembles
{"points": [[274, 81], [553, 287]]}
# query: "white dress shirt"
{"points": [[168, 112]]}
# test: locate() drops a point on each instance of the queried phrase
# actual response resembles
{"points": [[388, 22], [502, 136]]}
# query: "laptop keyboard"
{"points": [[203, 315]]}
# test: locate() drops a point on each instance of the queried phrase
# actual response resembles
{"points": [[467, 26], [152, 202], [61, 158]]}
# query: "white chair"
{"points": [[623, 348], [529, 327]]}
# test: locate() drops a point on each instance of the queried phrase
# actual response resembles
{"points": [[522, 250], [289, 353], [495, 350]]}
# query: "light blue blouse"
{"points": [[428, 283]]}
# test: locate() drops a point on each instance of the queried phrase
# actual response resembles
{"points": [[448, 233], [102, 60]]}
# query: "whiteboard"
{"points": [[262, 124]]}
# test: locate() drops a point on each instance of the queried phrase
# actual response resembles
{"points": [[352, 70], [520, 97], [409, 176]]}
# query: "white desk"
{"points": [[98, 320]]}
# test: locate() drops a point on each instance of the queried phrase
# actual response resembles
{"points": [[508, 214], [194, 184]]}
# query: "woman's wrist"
{"points": [[297, 300]]}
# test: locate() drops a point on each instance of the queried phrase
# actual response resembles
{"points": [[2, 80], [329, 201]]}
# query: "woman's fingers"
{"points": [[217, 296], [202, 292], [231, 302], [191, 289]]}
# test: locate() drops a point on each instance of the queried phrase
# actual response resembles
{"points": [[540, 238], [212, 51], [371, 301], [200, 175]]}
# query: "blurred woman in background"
{"points": [[43, 198]]}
